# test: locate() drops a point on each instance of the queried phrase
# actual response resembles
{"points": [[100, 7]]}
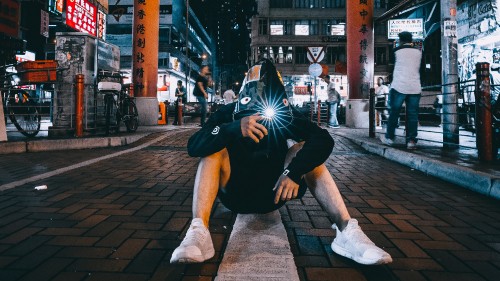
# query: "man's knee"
{"points": [[220, 161]]}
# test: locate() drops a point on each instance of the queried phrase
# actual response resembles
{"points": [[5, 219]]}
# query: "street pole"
{"points": [[450, 73], [188, 66]]}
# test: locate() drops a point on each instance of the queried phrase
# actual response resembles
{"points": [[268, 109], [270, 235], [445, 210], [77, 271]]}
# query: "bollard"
{"points": [[484, 129], [371, 114], [318, 116], [180, 107], [162, 112], [80, 87], [3, 128], [131, 90]]}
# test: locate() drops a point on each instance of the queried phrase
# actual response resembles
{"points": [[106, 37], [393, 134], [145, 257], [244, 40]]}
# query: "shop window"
{"points": [[281, 27], [313, 27], [301, 27], [335, 27], [380, 55], [380, 3], [281, 54], [289, 55], [262, 53], [301, 55], [262, 26], [339, 3], [380, 29], [280, 4], [334, 54]]}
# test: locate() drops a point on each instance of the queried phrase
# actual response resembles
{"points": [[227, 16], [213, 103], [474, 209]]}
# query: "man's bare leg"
{"points": [[324, 189], [213, 173], [350, 241]]}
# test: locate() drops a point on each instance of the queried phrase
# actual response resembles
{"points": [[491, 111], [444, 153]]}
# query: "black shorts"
{"points": [[247, 193]]}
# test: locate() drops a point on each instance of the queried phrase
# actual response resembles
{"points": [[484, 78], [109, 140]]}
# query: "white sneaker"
{"points": [[197, 246], [385, 140], [353, 243], [411, 145]]}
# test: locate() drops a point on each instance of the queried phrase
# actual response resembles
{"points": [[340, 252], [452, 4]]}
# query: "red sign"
{"points": [[81, 15]]}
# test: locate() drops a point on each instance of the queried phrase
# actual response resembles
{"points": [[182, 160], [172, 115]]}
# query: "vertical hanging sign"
{"points": [[44, 23], [145, 47], [360, 51]]}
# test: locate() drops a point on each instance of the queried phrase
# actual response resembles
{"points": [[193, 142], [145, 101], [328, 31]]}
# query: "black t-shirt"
{"points": [[197, 91], [183, 90]]}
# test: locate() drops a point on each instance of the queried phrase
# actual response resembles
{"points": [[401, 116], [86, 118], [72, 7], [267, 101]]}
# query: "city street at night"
{"points": [[121, 217]]}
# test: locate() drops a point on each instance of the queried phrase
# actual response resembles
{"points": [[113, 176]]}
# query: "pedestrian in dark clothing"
{"points": [[200, 91], [256, 154], [181, 98]]}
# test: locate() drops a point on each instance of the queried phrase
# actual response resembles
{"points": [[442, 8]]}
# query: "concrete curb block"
{"points": [[64, 144], [12, 147], [474, 180]]}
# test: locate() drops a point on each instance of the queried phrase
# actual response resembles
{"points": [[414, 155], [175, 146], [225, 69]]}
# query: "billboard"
{"points": [[414, 26], [82, 16]]}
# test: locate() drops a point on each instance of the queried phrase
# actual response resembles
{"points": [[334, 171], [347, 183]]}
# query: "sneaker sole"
{"points": [[192, 259], [345, 253]]}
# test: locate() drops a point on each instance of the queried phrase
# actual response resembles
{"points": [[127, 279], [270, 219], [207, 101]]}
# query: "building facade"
{"points": [[173, 64], [283, 30]]}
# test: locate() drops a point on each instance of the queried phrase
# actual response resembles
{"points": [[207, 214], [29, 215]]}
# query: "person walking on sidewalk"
{"points": [[257, 154], [381, 94], [333, 102], [181, 98], [405, 87], [200, 91], [229, 96]]}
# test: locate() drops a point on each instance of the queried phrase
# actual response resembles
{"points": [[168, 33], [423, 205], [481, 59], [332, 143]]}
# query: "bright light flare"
{"points": [[269, 112]]}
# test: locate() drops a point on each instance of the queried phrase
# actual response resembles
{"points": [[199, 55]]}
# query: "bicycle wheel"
{"points": [[130, 115], [23, 113], [108, 108]]}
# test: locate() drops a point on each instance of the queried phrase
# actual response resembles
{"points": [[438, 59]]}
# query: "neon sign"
{"points": [[81, 15]]}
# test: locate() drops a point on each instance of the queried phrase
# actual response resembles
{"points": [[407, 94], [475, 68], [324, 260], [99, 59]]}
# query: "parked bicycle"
{"points": [[19, 106], [117, 102]]}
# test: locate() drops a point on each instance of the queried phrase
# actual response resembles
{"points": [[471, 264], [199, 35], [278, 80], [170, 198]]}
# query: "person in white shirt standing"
{"points": [[405, 87], [333, 102], [229, 96], [381, 95]]}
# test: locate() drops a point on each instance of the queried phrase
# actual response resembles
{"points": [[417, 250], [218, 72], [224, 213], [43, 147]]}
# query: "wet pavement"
{"points": [[120, 218]]}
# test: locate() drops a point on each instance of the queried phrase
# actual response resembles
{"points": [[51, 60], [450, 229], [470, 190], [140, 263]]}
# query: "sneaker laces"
{"points": [[358, 235], [194, 235]]}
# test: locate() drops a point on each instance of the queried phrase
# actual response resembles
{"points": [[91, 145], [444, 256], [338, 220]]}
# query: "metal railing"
{"points": [[454, 119], [47, 109]]}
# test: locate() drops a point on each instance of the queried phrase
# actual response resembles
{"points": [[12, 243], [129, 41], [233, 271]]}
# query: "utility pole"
{"points": [[449, 42], [188, 66]]}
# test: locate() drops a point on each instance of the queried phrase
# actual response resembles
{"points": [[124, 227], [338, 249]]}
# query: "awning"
{"points": [[429, 10], [401, 8]]}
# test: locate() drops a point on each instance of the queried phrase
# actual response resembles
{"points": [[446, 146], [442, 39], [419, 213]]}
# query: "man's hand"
{"points": [[252, 129], [286, 189]]}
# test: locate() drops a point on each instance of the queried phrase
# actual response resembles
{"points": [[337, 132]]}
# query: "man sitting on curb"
{"points": [[256, 154]]}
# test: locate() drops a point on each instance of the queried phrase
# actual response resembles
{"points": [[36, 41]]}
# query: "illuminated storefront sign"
{"points": [[101, 26], [81, 15], [414, 26], [56, 6]]}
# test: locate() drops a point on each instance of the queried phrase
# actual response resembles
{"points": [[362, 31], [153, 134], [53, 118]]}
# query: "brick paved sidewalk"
{"points": [[121, 218]]}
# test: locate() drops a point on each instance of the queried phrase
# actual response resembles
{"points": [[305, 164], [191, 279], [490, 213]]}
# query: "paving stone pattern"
{"points": [[121, 218]]}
